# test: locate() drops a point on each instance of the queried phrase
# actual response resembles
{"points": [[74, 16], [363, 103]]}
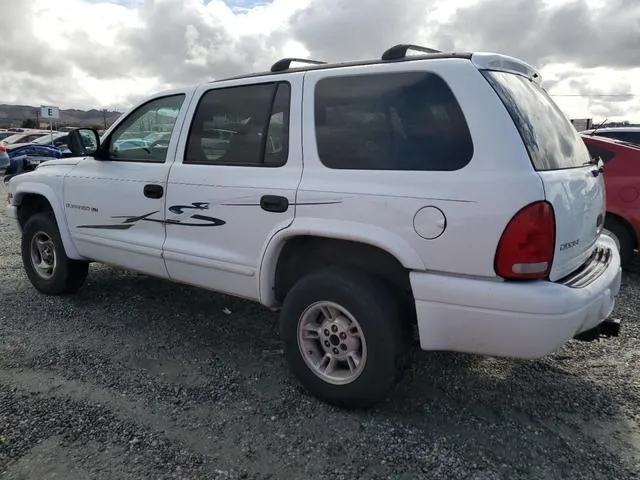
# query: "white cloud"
{"points": [[110, 53]]}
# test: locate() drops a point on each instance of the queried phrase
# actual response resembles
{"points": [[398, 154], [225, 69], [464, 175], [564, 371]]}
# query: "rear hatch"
{"points": [[572, 184]]}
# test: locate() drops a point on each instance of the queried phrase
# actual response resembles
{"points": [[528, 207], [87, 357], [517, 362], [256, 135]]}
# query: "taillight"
{"points": [[525, 250], [3, 149]]}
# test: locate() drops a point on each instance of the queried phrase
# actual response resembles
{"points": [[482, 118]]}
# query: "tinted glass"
{"points": [[604, 134], [28, 138], [391, 121], [46, 139], [552, 141], [127, 142], [242, 126], [14, 138], [600, 152], [631, 137]]}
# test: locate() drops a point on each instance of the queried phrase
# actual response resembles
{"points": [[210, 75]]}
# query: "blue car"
{"points": [[26, 157]]}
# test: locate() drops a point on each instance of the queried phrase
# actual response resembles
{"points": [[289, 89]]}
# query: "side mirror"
{"points": [[83, 142]]}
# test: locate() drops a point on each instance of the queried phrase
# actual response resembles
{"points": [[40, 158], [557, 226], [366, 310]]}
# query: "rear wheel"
{"points": [[45, 262], [344, 337], [623, 238]]}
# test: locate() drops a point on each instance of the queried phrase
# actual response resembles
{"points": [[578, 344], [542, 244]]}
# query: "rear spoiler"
{"points": [[505, 63]]}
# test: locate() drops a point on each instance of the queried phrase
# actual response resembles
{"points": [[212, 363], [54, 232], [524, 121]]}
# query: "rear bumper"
{"points": [[521, 320]]}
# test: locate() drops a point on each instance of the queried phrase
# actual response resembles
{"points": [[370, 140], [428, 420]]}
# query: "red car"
{"points": [[622, 181]]}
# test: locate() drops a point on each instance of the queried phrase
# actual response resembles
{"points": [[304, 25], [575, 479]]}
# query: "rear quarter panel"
{"points": [[478, 200]]}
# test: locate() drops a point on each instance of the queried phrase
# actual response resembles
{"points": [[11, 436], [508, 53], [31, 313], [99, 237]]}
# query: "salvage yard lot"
{"points": [[140, 378]]}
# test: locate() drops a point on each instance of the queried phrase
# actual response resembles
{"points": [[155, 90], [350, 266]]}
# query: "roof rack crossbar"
{"points": [[285, 63], [400, 51]]}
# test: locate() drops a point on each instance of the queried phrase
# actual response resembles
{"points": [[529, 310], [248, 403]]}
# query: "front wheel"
{"points": [[344, 337], [45, 262]]}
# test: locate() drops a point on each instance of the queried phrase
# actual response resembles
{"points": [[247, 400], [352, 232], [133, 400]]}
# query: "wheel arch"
{"points": [[626, 224], [387, 255], [30, 198]]}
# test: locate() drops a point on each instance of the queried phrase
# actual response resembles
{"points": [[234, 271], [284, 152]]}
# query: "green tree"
{"points": [[29, 123]]}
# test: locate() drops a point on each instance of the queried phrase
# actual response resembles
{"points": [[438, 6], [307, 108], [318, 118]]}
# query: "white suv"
{"points": [[443, 193]]}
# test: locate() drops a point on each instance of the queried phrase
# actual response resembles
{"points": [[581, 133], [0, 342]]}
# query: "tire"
{"points": [[378, 313], [621, 235], [59, 274]]}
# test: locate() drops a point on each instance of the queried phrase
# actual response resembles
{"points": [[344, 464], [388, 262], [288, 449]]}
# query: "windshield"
{"points": [[13, 138], [24, 137], [553, 143]]}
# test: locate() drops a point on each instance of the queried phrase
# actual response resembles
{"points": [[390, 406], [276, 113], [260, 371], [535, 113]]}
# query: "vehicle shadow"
{"points": [[501, 412]]}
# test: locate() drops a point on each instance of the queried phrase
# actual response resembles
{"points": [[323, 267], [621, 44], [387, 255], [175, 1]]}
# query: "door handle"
{"points": [[153, 191], [274, 203]]}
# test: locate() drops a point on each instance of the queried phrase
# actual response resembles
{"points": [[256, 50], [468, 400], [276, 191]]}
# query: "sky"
{"points": [[112, 53]]}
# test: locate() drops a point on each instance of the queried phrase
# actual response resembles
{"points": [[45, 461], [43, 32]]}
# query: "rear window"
{"points": [[631, 137], [390, 121], [551, 140], [601, 153]]}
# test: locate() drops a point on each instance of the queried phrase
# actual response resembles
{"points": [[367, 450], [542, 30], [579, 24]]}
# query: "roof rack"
{"points": [[285, 63], [400, 51]]}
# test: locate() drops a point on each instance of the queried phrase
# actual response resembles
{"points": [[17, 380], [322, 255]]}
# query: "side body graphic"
{"points": [[130, 221]]}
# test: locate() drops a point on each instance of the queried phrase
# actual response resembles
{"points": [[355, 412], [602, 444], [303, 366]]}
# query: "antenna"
{"points": [[285, 63], [400, 51]]}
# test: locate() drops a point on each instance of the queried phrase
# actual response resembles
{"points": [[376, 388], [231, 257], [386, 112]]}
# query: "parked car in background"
{"points": [[627, 134], [54, 139], [25, 157], [622, 184], [24, 137], [5, 133]]}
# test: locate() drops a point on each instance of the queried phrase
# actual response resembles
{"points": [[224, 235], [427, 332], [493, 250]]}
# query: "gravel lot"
{"points": [[137, 378]]}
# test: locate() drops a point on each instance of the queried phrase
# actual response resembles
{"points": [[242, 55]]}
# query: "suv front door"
{"points": [[233, 186], [114, 203]]}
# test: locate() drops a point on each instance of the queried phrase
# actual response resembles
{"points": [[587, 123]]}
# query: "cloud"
{"points": [[335, 30], [110, 53], [543, 32]]}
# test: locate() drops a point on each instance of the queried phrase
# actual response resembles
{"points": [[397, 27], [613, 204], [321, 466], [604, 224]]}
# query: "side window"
{"points": [[139, 138], [390, 121], [241, 126], [599, 152]]}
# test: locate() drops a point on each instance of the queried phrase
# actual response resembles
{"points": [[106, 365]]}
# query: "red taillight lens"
{"points": [[2, 148], [527, 244]]}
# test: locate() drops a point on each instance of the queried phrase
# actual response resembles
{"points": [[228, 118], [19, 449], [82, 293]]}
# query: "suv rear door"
{"points": [[572, 184], [233, 185]]}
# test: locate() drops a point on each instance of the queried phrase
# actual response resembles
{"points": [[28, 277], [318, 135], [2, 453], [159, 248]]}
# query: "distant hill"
{"points": [[14, 115]]}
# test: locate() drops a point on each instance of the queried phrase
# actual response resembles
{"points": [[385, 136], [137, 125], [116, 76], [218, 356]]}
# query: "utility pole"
{"points": [[104, 113]]}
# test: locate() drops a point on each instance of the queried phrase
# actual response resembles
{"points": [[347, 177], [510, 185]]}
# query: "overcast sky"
{"points": [[110, 53]]}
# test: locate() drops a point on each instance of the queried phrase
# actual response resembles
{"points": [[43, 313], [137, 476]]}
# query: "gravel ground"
{"points": [[137, 378]]}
